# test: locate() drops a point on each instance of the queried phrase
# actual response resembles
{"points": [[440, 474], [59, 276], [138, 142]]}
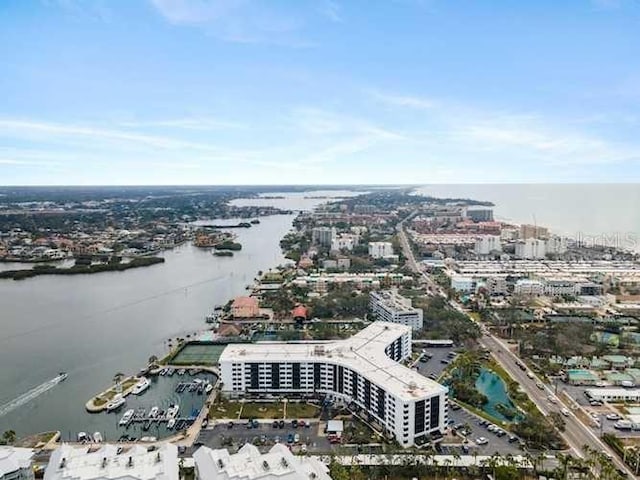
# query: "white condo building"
{"points": [[249, 464], [363, 370], [485, 244], [113, 462], [390, 306], [15, 463], [531, 248], [323, 235], [380, 249]]}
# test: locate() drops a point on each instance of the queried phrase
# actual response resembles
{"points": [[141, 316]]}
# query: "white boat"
{"points": [[208, 388], [153, 413], [181, 371], [141, 386], [116, 403], [127, 417], [172, 411], [171, 423], [83, 437], [97, 437], [62, 376], [198, 380], [148, 439]]}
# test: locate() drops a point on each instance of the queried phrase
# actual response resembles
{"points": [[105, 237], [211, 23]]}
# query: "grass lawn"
{"points": [[223, 408], [109, 394], [302, 410], [262, 410]]}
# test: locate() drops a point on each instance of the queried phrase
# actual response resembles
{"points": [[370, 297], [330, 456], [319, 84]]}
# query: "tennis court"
{"points": [[198, 354]]}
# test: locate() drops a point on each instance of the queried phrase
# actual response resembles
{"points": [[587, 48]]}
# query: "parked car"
{"points": [[230, 425], [481, 441], [281, 424], [290, 438], [302, 423], [275, 424], [294, 423], [613, 416], [296, 438], [303, 448]]}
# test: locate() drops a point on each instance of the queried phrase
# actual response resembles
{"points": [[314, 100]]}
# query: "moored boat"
{"points": [[117, 402], [141, 386], [127, 417], [153, 413], [97, 437]]}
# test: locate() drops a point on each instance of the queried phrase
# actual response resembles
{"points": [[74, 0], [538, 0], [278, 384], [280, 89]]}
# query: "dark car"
{"points": [[281, 423], [455, 406], [230, 425], [424, 359], [294, 423], [275, 424]]}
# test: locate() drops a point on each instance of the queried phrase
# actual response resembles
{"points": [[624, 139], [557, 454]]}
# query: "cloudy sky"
{"points": [[324, 91]]}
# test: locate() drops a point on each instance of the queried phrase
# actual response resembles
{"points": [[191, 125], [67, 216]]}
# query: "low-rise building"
{"points": [[113, 462], [15, 463], [390, 306], [249, 464], [462, 283], [614, 394], [528, 287], [245, 307]]}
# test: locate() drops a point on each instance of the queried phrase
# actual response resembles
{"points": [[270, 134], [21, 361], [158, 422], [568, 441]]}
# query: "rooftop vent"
{"points": [[265, 465], [312, 475], [104, 462], [130, 462], [412, 386], [284, 462], [220, 463], [63, 462]]}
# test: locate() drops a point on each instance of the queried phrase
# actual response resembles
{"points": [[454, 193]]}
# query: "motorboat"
{"points": [[141, 386], [181, 371], [62, 376], [127, 417], [171, 371], [83, 437], [153, 413], [171, 423], [198, 380], [208, 388], [116, 403], [172, 411], [97, 437]]}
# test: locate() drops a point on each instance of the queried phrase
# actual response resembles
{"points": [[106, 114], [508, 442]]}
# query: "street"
{"points": [[577, 435]]}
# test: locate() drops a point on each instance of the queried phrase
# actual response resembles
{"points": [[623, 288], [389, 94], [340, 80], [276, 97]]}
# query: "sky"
{"points": [[131, 92]]}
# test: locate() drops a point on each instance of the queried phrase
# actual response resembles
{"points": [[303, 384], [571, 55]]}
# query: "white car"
{"points": [[530, 374], [613, 416], [491, 428], [565, 412], [481, 441], [552, 399]]}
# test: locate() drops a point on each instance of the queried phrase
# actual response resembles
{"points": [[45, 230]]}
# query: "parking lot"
{"points": [[265, 436], [602, 425], [433, 365], [495, 443]]}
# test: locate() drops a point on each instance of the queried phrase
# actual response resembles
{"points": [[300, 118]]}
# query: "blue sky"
{"points": [[325, 91]]}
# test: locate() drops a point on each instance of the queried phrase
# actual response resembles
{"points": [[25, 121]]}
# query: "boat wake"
{"points": [[31, 394]]}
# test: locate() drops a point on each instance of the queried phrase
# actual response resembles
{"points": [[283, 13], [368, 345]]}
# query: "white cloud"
{"points": [[184, 123], [394, 100], [332, 11]]}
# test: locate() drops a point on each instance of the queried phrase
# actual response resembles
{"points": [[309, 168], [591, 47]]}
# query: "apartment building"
{"points": [[390, 306], [363, 370], [15, 463], [380, 249]]}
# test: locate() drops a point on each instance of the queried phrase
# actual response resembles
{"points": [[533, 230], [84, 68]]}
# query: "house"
{"points": [[15, 463], [245, 307]]}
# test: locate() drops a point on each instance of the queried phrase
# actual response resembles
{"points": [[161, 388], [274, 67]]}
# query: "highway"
{"points": [[576, 434]]}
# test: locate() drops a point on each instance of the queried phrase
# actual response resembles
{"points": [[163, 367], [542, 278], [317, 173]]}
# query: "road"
{"points": [[576, 434]]}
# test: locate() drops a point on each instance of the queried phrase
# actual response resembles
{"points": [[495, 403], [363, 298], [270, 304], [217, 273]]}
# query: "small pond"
{"points": [[491, 385]]}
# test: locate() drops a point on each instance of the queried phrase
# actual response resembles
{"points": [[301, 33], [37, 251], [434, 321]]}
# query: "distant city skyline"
{"points": [[228, 92]]}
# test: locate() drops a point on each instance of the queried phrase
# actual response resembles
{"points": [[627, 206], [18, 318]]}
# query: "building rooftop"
{"points": [[364, 353], [13, 459], [113, 462], [249, 464]]}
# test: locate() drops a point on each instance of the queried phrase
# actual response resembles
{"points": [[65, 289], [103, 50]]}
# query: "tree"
{"points": [[117, 381], [9, 437], [153, 360]]}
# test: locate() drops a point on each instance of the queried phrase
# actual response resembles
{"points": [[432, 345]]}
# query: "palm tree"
{"points": [[9, 437], [117, 381]]}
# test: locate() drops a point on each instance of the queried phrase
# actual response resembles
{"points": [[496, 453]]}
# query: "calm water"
{"points": [[492, 386], [96, 325], [603, 213]]}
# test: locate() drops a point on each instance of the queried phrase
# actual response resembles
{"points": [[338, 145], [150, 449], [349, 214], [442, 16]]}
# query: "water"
{"points": [[94, 326], [492, 386], [602, 213]]}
